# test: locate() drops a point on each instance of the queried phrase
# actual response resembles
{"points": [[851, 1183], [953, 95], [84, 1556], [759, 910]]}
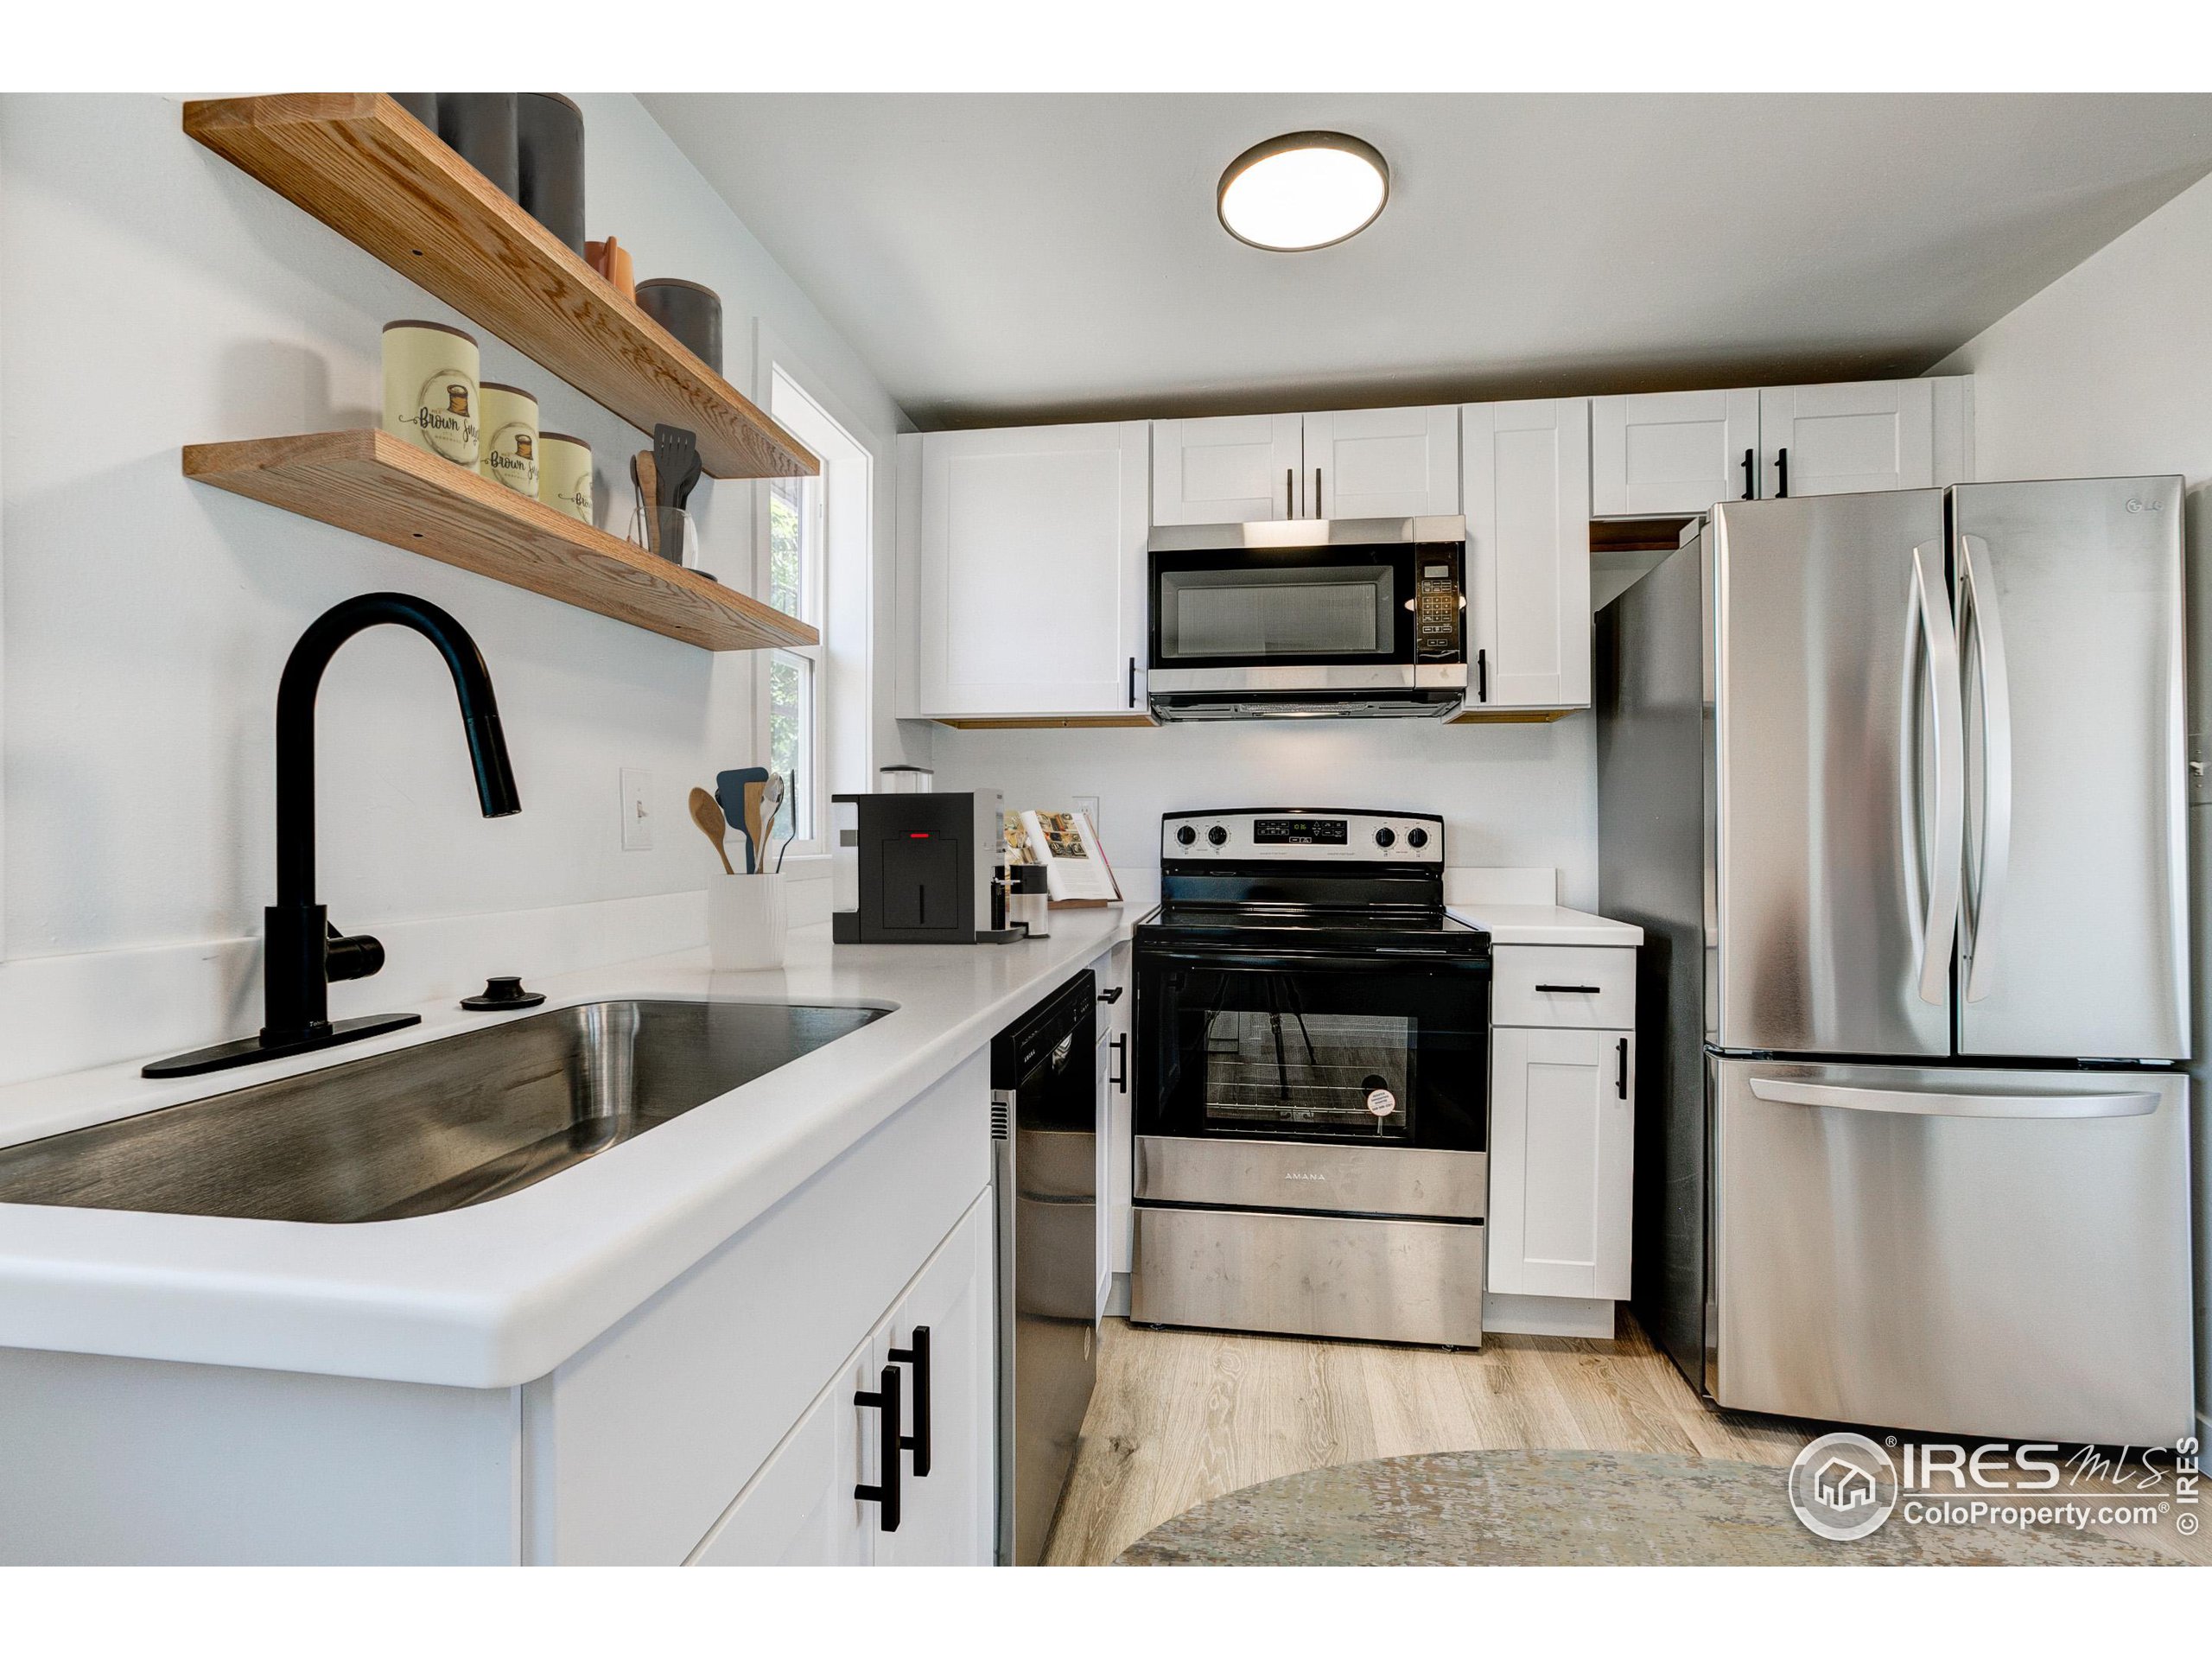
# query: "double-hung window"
{"points": [[796, 674]]}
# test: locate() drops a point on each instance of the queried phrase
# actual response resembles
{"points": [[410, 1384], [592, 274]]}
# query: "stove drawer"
{"points": [[1311, 1175], [1584, 985], [1341, 1276]]}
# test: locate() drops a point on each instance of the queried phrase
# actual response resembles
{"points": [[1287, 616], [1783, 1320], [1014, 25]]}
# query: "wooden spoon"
{"points": [[709, 816], [753, 824]]}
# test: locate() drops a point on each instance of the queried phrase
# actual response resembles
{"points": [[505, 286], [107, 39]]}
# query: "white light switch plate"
{"points": [[1088, 805], [636, 812]]}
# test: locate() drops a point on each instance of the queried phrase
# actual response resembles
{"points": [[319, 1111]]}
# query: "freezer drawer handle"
{"points": [[1790, 1091]]}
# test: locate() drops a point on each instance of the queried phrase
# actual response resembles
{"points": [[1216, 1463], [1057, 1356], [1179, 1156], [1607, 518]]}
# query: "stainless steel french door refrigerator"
{"points": [[1896, 784]]}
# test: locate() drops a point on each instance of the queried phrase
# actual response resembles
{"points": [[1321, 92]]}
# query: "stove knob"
{"points": [[1416, 838], [1385, 835], [1217, 835], [1185, 836]]}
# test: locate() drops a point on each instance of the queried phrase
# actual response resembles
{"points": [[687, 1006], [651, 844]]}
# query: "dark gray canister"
{"points": [[550, 144], [480, 126], [423, 106], [691, 312]]}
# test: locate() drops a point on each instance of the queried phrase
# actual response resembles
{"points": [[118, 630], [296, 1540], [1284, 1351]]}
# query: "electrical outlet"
{"points": [[1088, 805], [636, 812]]}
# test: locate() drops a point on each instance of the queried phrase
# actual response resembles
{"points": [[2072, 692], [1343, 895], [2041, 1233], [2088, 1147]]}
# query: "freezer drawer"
{"points": [[1966, 1252], [1310, 1275]]}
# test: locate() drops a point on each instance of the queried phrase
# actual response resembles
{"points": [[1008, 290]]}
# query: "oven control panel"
{"points": [[1304, 834]]}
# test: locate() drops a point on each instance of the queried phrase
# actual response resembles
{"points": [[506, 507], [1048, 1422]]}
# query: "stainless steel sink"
{"points": [[436, 1127]]}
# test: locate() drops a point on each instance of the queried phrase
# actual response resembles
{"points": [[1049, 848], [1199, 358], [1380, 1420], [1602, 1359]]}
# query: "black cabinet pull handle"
{"points": [[1482, 676], [1133, 682], [916, 1354], [1782, 474], [884, 1399], [1289, 486], [1580, 990], [1621, 1082], [1121, 1079], [1112, 994], [1318, 513], [1751, 460]]}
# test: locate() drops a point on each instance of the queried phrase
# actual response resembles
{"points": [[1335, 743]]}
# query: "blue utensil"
{"points": [[729, 792]]}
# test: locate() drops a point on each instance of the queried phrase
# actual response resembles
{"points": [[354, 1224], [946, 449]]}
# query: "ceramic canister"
{"points": [[510, 447], [430, 374], [564, 474]]}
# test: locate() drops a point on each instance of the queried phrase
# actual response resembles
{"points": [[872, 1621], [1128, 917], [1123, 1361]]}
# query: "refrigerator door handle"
{"points": [[1928, 617], [1978, 601], [1790, 1091]]}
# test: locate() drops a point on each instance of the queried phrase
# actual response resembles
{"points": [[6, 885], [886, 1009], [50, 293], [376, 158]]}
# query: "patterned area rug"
{"points": [[1568, 1509]]}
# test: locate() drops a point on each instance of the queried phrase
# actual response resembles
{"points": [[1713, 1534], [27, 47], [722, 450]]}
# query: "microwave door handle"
{"points": [[1930, 618], [1978, 597]]}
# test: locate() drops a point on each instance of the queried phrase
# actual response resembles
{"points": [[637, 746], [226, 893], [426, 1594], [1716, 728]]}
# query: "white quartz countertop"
{"points": [[500, 1292], [1545, 924]]}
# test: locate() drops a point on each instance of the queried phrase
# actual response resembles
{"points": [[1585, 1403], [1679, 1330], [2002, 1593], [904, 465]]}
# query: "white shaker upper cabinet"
{"points": [[1030, 570], [1381, 463], [1233, 469], [1837, 439], [1528, 476], [1672, 452]]}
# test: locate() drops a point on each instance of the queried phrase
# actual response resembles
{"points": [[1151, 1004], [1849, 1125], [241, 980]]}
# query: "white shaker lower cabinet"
{"points": [[1382, 463], [1562, 1122], [1666, 453], [1837, 439], [1527, 471], [1029, 570], [1230, 469], [802, 1509]]}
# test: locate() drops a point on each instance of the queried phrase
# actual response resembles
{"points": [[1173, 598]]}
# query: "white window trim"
{"points": [[843, 672]]}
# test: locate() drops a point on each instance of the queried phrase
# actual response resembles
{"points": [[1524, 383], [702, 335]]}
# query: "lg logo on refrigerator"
{"points": [[2135, 504]]}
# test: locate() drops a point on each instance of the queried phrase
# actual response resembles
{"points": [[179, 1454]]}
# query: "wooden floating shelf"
{"points": [[382, 180], [382, 486]]}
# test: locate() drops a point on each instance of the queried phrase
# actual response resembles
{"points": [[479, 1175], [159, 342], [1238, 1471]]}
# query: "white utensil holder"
{"points": [[746, 921]]}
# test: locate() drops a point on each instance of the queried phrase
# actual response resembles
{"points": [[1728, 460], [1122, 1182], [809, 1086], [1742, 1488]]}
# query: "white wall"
{"points": [[2108, 371], [152, 295], [1513, 795]]}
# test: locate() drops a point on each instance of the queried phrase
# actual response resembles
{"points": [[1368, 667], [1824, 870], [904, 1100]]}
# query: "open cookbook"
{"points": [[1076, 870]]}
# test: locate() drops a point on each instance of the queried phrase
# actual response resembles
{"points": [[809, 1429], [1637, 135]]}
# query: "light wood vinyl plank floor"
{"points": [[1182, 1416]]}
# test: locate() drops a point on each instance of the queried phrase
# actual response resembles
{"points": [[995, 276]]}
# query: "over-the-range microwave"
{"points": [[1308, 616]]}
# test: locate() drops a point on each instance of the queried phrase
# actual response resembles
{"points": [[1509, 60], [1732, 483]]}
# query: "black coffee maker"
{"points": [[920, 869]]}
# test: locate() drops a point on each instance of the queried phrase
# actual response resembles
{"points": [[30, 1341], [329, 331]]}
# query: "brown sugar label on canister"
{"points": [[507, 458], [444, 415]]}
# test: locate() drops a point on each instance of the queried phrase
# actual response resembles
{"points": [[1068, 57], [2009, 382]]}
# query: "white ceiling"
{"points": [[1002, 258]]}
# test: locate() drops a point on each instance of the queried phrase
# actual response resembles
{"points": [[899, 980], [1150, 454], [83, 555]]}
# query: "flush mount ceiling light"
{"points": [[1303, 190]]}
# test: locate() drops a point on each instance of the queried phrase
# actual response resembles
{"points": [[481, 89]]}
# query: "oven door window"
{"points": [[1348, 606], [1375, 1058]]}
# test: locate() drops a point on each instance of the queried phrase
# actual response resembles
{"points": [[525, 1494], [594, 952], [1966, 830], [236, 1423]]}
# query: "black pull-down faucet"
{"points": [[303, 953]]}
